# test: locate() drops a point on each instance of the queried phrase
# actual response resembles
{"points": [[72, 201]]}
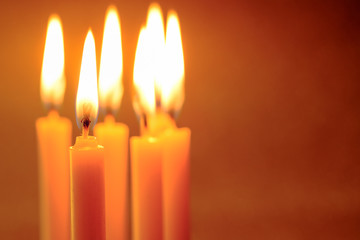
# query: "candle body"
{"points": [[54, 138], [161, 154], [175, 180], [146, 188], [114, 137], [87, 190]]}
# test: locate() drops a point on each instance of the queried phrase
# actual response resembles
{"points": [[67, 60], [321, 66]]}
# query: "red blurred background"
{"points": [[272, 99]]}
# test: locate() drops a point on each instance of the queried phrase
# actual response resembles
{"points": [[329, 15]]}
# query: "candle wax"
{"points": [[87, 189], [160, 176], [54, 138], [146, 188], [114, 137], [175, 180]]}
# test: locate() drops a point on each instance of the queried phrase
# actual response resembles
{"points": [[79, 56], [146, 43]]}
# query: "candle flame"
{"points": [[172, 88], [87, 95], [148, 65], [52, 85], [156, 41], [111, 64], [159, 65], [144, 86]]}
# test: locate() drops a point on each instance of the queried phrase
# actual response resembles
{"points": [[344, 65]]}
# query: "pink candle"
{"points": [[87, 185], [87, 157]]}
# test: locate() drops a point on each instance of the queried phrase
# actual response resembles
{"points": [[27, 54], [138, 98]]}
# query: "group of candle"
{"points": [[84, 189]]}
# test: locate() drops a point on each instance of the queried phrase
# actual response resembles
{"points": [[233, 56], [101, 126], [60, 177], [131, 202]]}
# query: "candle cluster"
{"points": [[159, 158], [84, 189]]}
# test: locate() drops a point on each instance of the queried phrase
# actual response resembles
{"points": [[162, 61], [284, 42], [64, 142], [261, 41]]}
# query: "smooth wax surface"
{"points": [[176, 183], [161, 155], [146, 176], [87, 189], [54, 138], [114, 137], [146, 188], [174, 147]]}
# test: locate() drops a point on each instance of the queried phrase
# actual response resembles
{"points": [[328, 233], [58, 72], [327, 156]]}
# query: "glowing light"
{"points": [[52, 85], [172, 88], [87, 95], [159, 65], [111, 64], [149, 62], [156, 41], [144, 102]]}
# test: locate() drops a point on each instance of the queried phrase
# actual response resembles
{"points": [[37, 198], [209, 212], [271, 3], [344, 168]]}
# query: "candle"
{"points": [[175, 177], [176, 142], [146, 151], [112, 135], [54, 137], [160, 157], [87, 157]]}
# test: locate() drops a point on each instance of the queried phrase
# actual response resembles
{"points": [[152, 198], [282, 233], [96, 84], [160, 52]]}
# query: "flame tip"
{"points": [[87, 95], [111, 62], [52, 72], [154, 5], [111, 8], [54, 16], [172, 12], [159, 64], [154, 9]]}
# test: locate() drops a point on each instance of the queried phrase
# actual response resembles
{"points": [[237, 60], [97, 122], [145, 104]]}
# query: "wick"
{"points": [[145, 120], [52, 107], [143, 124], [172, 114], [157, 98], [86, 123], [158, 103], [108, 111]]}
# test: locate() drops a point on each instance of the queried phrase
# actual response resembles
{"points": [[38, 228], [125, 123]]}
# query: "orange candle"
{"points": [[175, 179], [173, 148], [176, 142], [146, 189], [87, 157], [112, 135], [145, 150], [166, 148], [54, 138], [160, 157]]}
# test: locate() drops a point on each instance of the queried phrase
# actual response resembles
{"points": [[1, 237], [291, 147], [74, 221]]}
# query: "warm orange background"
{"points": [[272, 98]]}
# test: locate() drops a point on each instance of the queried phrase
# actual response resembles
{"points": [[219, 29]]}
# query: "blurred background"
{"points": [[272, 99]]}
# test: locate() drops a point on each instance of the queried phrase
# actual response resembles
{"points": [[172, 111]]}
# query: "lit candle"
{"points": [[87, 157], [160, 157], [54, 138], [146, 150], [112, 135], [176, 141]]}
